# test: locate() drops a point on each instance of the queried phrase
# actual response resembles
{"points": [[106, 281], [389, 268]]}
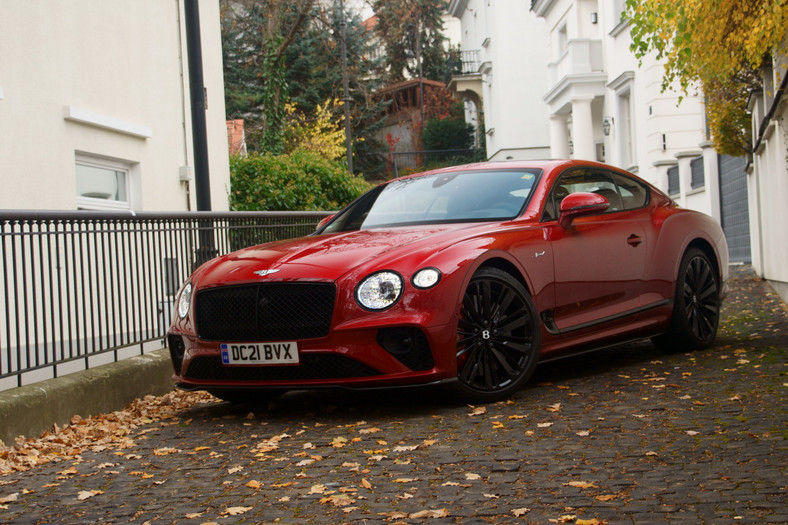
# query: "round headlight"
{"points": [[379, 290], [185, 300], [426, 278]]}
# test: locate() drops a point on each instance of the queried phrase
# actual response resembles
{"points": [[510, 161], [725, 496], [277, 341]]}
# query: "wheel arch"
{"points": [[706, 247], [508, 267]]}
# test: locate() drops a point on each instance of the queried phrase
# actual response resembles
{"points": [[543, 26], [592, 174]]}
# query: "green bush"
{"points": [[301, 180], [450, 133]]}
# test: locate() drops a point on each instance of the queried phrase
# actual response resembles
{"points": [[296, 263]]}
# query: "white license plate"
{"points": [[281, 353]]}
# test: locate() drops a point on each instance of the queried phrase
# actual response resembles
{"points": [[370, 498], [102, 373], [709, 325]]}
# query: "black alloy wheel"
{"points": [[498, 337], [696, 309]]}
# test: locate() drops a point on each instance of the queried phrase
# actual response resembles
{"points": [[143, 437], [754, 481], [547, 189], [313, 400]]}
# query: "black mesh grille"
{"points": [[265, 312], [313, 366]]}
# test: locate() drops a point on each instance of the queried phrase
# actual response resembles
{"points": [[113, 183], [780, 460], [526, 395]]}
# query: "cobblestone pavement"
{"points": [[627, 435]]}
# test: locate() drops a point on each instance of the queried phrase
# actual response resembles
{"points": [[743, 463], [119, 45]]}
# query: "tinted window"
{"points": [[445, 197], [634, 194]]}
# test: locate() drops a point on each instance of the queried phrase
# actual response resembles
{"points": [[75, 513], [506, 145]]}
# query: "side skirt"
{"points": [[549, 321]]}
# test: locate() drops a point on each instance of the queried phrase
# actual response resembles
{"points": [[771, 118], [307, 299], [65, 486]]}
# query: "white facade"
{"points": [[768, 175], [94, 105], [606, 106], [504, 75]]}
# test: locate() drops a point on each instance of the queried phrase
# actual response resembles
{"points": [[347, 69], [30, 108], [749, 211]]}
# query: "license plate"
{"points": [[282, 353]]}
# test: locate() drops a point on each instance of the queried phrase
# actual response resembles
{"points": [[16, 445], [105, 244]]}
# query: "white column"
{"points": [[559, 137], [582, 129]]}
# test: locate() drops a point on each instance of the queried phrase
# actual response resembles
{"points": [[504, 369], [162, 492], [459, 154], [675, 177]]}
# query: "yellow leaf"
{"points": [[253, 484], [440, 513], [235, 511]]}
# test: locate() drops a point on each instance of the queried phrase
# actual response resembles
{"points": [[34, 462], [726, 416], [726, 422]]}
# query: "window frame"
{"points": [[93, 203]]}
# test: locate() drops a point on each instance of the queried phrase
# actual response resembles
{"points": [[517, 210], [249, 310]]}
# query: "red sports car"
{"points": [[468, 276]]}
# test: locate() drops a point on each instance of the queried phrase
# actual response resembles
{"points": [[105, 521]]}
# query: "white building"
{"points": [[768, 174], [503, 76], [94, 105]]}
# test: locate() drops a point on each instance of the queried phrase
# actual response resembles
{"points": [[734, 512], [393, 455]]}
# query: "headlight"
{"points": [[426, 278], [379, 290], [185, 300]]}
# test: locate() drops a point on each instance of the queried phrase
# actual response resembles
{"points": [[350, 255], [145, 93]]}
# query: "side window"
{"points": [[587, 180], [633, 193]]}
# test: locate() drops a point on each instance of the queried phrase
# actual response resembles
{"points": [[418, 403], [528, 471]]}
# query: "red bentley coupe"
{"points": [[468, 276]]}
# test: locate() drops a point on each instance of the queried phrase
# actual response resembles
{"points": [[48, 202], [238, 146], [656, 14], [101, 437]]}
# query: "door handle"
{"points": [[633, 240]]}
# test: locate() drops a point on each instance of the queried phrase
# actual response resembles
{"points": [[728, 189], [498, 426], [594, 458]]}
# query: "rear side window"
{"points": [[634, 194]]}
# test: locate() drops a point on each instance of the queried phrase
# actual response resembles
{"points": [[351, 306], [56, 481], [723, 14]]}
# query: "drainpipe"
{"points": [[202, 188]]}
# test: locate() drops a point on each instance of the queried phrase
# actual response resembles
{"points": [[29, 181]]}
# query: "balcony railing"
{"points": [[84, 288], [464, 62]]}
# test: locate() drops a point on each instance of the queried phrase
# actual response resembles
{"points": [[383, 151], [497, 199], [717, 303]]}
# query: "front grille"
{"points": [[313, 366], [265, 312]]}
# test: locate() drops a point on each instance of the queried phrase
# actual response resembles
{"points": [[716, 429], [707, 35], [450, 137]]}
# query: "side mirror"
{"points": [[324, 221], [581, 204]]}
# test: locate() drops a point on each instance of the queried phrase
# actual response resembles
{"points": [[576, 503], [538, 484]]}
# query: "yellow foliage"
{"points": [[321, 133], [717, 43]]}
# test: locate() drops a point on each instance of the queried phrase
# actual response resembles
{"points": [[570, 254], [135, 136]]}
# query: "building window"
{"points": [[102, 184], [562, 42], [673, 180], [697, 176]]}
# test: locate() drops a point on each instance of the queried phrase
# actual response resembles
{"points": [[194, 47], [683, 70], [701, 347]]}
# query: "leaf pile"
{"points": [[97, 433]]}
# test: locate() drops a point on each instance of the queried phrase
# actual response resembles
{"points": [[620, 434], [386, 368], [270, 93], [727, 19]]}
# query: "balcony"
{"points": [[465, 79], [579, 68]]}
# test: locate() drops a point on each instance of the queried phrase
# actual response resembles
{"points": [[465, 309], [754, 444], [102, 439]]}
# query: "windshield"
{"points": [[445, 197]]}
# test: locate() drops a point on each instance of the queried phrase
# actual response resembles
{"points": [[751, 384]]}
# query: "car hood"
{"points": [[325, 257]]}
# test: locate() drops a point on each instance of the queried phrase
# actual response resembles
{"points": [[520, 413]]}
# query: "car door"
{"points": [[599, 260]]}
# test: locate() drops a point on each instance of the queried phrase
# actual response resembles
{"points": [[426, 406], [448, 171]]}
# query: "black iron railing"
{"points": [[84, 288]]}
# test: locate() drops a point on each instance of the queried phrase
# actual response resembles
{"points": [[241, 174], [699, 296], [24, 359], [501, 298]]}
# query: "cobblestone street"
{"points": [[626, 435]]}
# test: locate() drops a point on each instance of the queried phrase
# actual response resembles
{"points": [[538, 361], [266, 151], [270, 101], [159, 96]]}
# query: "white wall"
{"points": [[123, 62], [510, 41]]}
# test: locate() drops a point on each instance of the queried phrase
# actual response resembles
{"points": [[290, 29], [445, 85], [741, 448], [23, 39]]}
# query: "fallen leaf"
{"points": [[584, 433], [337, 500], [235, 470], [235, 511], [10, 498], [498, 424], [165, 451], [85, 494], [405, 448], [491, 496], [477, 411], [544, 425], [318, 489], [372, 430], [606, 497], [441, 513], [253, 484], [592, 521], [338, 442], [521, 511], [581, 484], [556, 407], [200, 449], [365, 483], [193, 515], [405, 480], [472, 476]]}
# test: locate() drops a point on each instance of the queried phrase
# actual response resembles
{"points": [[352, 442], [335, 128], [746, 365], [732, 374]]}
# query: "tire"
{"points": [[696, 305], [238, 396], [498, 337]]}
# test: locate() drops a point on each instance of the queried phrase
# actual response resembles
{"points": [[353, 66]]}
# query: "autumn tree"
{"points": [[404, 24], [717, 45]]}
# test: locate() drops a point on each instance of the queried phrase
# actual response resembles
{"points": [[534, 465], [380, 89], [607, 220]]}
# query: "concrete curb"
{"points": [[32, 409]]}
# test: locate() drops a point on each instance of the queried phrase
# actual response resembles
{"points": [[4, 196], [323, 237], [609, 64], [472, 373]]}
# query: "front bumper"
{"points": [[362, 358]]}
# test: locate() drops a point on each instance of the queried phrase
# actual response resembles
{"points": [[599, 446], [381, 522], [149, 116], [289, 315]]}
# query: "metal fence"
{"points": [[84, 288]]}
